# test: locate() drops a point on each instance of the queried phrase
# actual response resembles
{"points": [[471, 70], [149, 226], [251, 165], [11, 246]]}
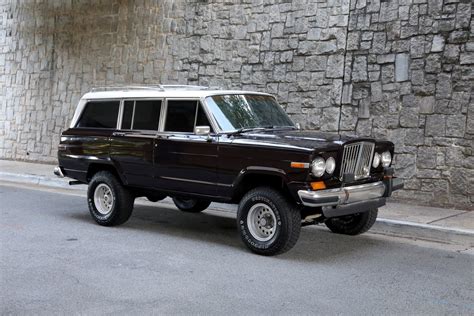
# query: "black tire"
{"points": [[283, 234], [122, 205], [352, 224], [155, 197], [191, 205]]}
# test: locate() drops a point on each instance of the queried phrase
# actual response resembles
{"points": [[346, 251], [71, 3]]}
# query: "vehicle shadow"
{"points": [[315, 243]]}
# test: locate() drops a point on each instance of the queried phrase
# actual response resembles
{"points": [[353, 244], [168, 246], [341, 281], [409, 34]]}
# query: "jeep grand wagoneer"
{"points": [[198, 145]]}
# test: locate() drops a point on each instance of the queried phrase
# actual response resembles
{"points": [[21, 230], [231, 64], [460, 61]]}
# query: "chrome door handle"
{"points": [[118, 134]]}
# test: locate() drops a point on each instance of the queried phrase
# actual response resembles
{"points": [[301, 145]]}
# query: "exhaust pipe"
{"points": [[58, 172]]}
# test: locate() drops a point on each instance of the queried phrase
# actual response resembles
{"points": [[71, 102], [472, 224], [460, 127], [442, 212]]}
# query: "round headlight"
{"points": [[376, 161], [386, 158], [330, 165], [318, 166]]}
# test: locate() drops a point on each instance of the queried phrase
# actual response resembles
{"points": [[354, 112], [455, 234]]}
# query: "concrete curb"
{"points": [[382, 226], [424, 231]]}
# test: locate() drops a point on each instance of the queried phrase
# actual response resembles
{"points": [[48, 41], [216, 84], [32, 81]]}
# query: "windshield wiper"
{"points": [[245, 129], [260, 128]]}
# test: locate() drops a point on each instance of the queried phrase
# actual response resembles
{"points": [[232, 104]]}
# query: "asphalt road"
{"points": [[55, 259]]}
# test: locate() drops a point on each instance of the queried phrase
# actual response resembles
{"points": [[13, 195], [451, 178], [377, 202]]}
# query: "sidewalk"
{"points": [[396, 219]]}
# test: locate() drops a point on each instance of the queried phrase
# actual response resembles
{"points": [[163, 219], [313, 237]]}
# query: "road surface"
{"points": [[55, 259]]}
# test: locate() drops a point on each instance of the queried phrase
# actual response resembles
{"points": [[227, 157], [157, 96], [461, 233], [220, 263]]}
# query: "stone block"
{"points": [[364, 108], [409, 117], [386, 58], [443, 86], [435, 125], [330, 119], [405, 165], [426, 104], [455, 125], [438, 43], [359, 71], [347, 94], [376, 91], [335, 66], [414, 137], [401, 67], [426, 157], [316, 63], [467, 58]]}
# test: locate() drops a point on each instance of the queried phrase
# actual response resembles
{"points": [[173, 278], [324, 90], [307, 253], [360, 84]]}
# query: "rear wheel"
{"points": [[191, 205], [353, 224], [110, 203], [268, 223]]}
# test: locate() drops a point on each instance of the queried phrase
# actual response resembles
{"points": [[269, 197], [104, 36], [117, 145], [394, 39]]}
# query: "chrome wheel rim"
{"points": [[104, 199], [261, 221]]}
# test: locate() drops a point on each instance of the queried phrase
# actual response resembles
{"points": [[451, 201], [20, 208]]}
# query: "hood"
{"points": [[309, 140]]}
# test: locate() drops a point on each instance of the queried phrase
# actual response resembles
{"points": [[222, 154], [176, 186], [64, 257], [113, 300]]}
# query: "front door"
{"points": [[186, 162]]}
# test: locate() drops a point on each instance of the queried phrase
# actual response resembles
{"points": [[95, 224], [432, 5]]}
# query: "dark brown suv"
{"points": [[200, 145]]}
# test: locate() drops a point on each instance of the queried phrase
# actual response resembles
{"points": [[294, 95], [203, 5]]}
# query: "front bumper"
{"points": [[351, 199]]}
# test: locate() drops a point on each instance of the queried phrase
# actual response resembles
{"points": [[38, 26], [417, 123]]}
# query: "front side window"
{"points": [[141, 115], [184, 115], [236, 111], [98, 114]]}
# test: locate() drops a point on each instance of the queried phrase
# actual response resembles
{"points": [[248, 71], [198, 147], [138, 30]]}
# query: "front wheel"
{"points": [[191, 205], [353, 224], [267, 222]]}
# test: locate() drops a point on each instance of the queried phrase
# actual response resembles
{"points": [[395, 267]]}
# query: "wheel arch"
{"points": [[93, 168], [253, 177]]}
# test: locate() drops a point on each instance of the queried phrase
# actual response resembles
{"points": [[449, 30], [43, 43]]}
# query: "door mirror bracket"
{"points": [[203, 131]]}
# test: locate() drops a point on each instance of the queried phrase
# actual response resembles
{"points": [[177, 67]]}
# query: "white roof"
{"points": [[159, 92]]}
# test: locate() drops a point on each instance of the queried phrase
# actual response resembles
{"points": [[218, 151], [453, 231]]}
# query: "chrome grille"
{"points": [[356, 159]]}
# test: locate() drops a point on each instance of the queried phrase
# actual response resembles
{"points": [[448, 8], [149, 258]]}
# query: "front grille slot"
{"points": [[356, 159]]}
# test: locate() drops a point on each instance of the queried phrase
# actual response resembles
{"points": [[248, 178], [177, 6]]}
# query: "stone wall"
{"points": [[409, 78], [398, 69]]}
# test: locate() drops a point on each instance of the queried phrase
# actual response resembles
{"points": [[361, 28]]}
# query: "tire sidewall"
{"points": [[244, 229], [102, 218]]}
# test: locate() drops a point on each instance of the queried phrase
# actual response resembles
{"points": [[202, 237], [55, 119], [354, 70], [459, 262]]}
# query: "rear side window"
{"points": [[99, 115], [141, 115]]}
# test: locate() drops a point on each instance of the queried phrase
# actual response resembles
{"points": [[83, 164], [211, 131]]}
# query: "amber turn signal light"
{"points": [[319, 185], [301, 165]]}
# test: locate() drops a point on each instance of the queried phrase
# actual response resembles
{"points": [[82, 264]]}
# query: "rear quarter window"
{"points": [[99, 115]]}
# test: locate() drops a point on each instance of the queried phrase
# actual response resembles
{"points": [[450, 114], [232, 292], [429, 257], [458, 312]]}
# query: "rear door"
{"points": [[131, 146], [186, 162]]}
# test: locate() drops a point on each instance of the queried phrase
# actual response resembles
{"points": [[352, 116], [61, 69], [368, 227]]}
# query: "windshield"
{"points": [[242, 111]]}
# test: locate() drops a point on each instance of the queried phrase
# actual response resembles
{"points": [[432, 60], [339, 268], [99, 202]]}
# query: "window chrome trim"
{"points": [[133, 114], [210, 117], [120, 115]]}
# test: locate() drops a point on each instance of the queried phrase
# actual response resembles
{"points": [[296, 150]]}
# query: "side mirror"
{"points": [[298, 125], [202, 130]]}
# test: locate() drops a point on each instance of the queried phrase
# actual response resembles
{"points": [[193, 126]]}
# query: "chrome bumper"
{"points": [[350, 194], [58, 172]]}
